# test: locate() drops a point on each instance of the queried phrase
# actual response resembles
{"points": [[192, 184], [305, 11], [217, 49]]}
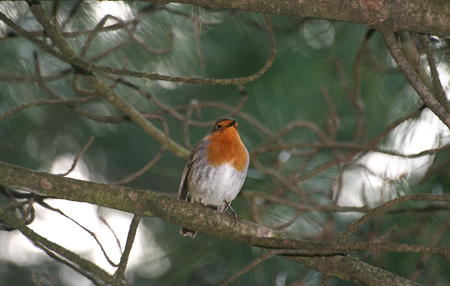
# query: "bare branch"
{"points": [[79, 155], [427, 17], [152, 161], [249, 267], [194, 216], [438, 89], [81, 265], [41, 102], [353, 227], [119, 274], [91, 233], [69, 56], [431, 102]]}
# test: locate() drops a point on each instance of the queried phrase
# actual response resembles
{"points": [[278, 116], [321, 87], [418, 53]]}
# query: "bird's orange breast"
{"points": [[227, 147]]}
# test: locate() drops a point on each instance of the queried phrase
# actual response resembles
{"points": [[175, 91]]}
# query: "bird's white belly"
{"points": [[217, 185]]}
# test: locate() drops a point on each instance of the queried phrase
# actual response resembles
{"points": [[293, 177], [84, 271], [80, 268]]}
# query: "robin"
{"points": [[216, 169]]}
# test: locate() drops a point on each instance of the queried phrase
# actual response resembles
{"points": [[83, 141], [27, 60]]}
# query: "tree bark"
{"points": [[324, 257], [429, 17]]}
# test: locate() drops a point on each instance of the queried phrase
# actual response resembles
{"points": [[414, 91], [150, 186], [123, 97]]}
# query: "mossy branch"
{"points": [[194, 216]]}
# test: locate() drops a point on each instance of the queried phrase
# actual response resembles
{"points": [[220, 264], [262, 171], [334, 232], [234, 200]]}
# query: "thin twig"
{"points": [[89, 66], [41, 102], [36, 280], [290, 222], [356, 100], [354, 226], [438, 88], [103, 220], [432, 103], [198, 44], [87, 44], [94, 236], [349, 146], [133, 176], [425, 257], [119, 274], [333, 117], [249, 267], [79, 155]]}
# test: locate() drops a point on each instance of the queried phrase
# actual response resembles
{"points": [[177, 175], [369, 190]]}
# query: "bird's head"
{"points": [[225, 124]]}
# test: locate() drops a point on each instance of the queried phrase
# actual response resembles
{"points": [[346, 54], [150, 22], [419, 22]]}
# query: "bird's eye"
{"points": [[219, 126]]}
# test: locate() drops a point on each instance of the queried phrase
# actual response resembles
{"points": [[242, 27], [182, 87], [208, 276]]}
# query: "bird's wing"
{"points": [[182, 190], [194, 156]]}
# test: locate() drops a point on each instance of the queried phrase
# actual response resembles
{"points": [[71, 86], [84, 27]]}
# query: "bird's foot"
{"points": [[229, 207]]}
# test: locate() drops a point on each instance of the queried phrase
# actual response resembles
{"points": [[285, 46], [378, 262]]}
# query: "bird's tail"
{"points": [[188, 232], [193, 233]]}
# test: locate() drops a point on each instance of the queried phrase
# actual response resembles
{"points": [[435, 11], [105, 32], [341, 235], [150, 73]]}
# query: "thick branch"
{"points": [[429, 17], [192, 216], [196, 217], [349, 267]]}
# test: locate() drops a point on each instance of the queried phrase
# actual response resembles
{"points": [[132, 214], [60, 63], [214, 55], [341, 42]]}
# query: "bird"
{"points": [[215, 170]]}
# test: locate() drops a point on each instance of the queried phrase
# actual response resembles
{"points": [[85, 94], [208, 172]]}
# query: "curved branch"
{"points": [[430, 101], [40, 102], [101, 88], [67, 55], [352, 228]]}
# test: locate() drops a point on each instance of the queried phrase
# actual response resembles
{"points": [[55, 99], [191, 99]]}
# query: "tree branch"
{"points": [[352, 268], [430, 101], [194, 216], [102, 89], [429, 17], [71, 259], [67, 55], [119, 274]]}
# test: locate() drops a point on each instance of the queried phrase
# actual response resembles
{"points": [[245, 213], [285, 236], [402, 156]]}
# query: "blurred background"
{"points": [[332, 123]]}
